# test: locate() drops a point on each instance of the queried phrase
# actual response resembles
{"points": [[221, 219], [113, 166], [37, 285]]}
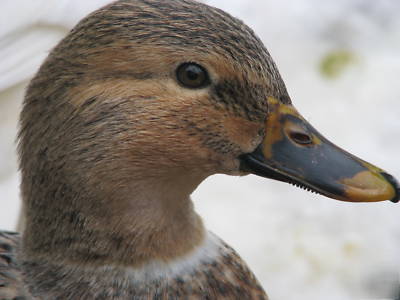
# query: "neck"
{"points": [[150, 221], [185, 276]]}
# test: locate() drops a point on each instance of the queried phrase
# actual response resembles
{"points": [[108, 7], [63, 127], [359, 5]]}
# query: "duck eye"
{"points": [[192, 75]]}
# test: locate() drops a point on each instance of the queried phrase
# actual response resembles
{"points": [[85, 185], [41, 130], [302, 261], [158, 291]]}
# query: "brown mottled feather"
{"points": [[227, 278], [10, 273], [112, 146]]}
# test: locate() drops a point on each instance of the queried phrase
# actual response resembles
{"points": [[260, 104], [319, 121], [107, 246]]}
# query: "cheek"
{"points": [[220, 138], [244, 133]]}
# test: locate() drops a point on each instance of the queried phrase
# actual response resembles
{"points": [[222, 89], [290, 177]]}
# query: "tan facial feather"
{"points": [[113, 146]]}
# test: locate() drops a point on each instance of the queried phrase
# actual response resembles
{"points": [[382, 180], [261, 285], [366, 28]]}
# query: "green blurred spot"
{"points": [[334, 63]]}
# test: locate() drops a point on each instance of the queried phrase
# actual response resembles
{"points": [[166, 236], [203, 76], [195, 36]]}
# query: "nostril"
{"points": [[301, 138]]}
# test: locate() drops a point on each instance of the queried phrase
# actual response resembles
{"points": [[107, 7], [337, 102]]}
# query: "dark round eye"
{"points": [[192, 75]]}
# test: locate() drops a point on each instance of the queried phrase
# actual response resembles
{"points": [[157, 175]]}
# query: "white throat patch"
{"points": [[209, 251]]}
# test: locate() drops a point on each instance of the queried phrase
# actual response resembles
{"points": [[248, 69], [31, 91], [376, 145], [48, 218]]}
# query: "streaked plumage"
{"points": [[130, 44], [113, 141], [222, 277]]}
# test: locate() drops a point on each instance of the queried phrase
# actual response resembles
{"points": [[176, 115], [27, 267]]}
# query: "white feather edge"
{"points": [[209, 251]]}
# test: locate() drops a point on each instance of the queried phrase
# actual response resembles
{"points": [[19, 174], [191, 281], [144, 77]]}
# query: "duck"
{"points": [[129, 113]]}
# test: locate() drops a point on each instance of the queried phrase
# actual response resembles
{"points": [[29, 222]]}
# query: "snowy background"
{"points": [[341, 63]]}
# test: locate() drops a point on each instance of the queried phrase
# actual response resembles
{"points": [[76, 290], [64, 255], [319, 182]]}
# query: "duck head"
{"points": [[141, 102]]}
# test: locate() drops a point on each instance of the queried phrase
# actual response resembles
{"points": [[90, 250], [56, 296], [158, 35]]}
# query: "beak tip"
{"points": [[395, 184]]}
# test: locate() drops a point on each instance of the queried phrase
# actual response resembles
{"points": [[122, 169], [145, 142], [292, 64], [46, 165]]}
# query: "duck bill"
{"points": [[293, 151]]}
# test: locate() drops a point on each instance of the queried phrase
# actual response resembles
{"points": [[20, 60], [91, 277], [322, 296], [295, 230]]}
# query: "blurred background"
{"points": [[341, 64]]}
